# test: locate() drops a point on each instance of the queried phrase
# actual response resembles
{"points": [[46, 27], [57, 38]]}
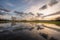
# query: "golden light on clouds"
{"points": [[53, 17], [34, 7], [51, 10]]}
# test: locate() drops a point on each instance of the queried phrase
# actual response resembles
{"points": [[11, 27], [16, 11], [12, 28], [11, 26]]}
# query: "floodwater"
{"points": [[29, 31]]}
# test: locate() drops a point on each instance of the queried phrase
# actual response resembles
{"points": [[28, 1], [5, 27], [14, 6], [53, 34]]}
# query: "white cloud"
{"points": [[34, 5], [51, 9], [33, 9]]}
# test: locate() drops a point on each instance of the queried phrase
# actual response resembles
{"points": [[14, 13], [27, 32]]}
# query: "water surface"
{"points": [[29, 31]]}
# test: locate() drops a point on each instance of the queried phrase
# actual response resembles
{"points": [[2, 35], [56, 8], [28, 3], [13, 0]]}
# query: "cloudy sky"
{"points": [[30, 6], [23, 5]]}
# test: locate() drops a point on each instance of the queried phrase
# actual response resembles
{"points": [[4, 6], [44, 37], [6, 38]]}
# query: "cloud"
{"points": [[53, 14], [10, 4], [28, 1], [2, 12], [43, 7], [4, 9], [34, 2], [19, 13], [35, 5], [34, 9], [39, 14], [31, 6], [51, 9], [49, 3], [52, 2], [31, 13]]}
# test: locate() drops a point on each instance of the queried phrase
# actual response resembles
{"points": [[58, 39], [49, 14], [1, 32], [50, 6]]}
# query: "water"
{"points": [[29, 31]]}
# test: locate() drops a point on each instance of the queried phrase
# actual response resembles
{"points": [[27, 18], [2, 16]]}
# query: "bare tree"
{"points": [[13, 18]]}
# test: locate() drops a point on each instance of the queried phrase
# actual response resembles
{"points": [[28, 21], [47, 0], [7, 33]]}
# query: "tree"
{"points": [[13, 18], [58, 18]]}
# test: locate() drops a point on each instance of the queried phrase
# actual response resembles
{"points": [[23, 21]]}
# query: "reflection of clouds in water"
{"points": [[46, 36], [29, 31], [23, 32], [39, 27], [13, 23], [52, 26], [29, 27]]}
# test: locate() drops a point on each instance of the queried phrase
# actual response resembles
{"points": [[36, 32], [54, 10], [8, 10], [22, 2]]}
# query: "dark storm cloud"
{"points": [[52, 2]]}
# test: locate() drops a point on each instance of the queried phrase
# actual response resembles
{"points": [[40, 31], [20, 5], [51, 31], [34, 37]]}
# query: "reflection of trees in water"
{"points": [[58, 24], [46, 36], [20, 36], [13, 23], [58, 18], [52, 38]]}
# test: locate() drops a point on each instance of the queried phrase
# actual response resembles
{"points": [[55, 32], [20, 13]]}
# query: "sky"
{"points": [[22, 5], [51, 9], [27, 6]]}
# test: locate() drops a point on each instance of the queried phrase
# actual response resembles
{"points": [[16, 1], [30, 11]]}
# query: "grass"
{"points": [[54, 22], [51, 22]]}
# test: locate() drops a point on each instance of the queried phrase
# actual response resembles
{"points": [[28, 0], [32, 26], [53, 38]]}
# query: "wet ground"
{"points": [[29, 31]]}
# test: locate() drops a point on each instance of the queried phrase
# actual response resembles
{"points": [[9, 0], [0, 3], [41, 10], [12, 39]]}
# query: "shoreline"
{"points": [[51, 22]]}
